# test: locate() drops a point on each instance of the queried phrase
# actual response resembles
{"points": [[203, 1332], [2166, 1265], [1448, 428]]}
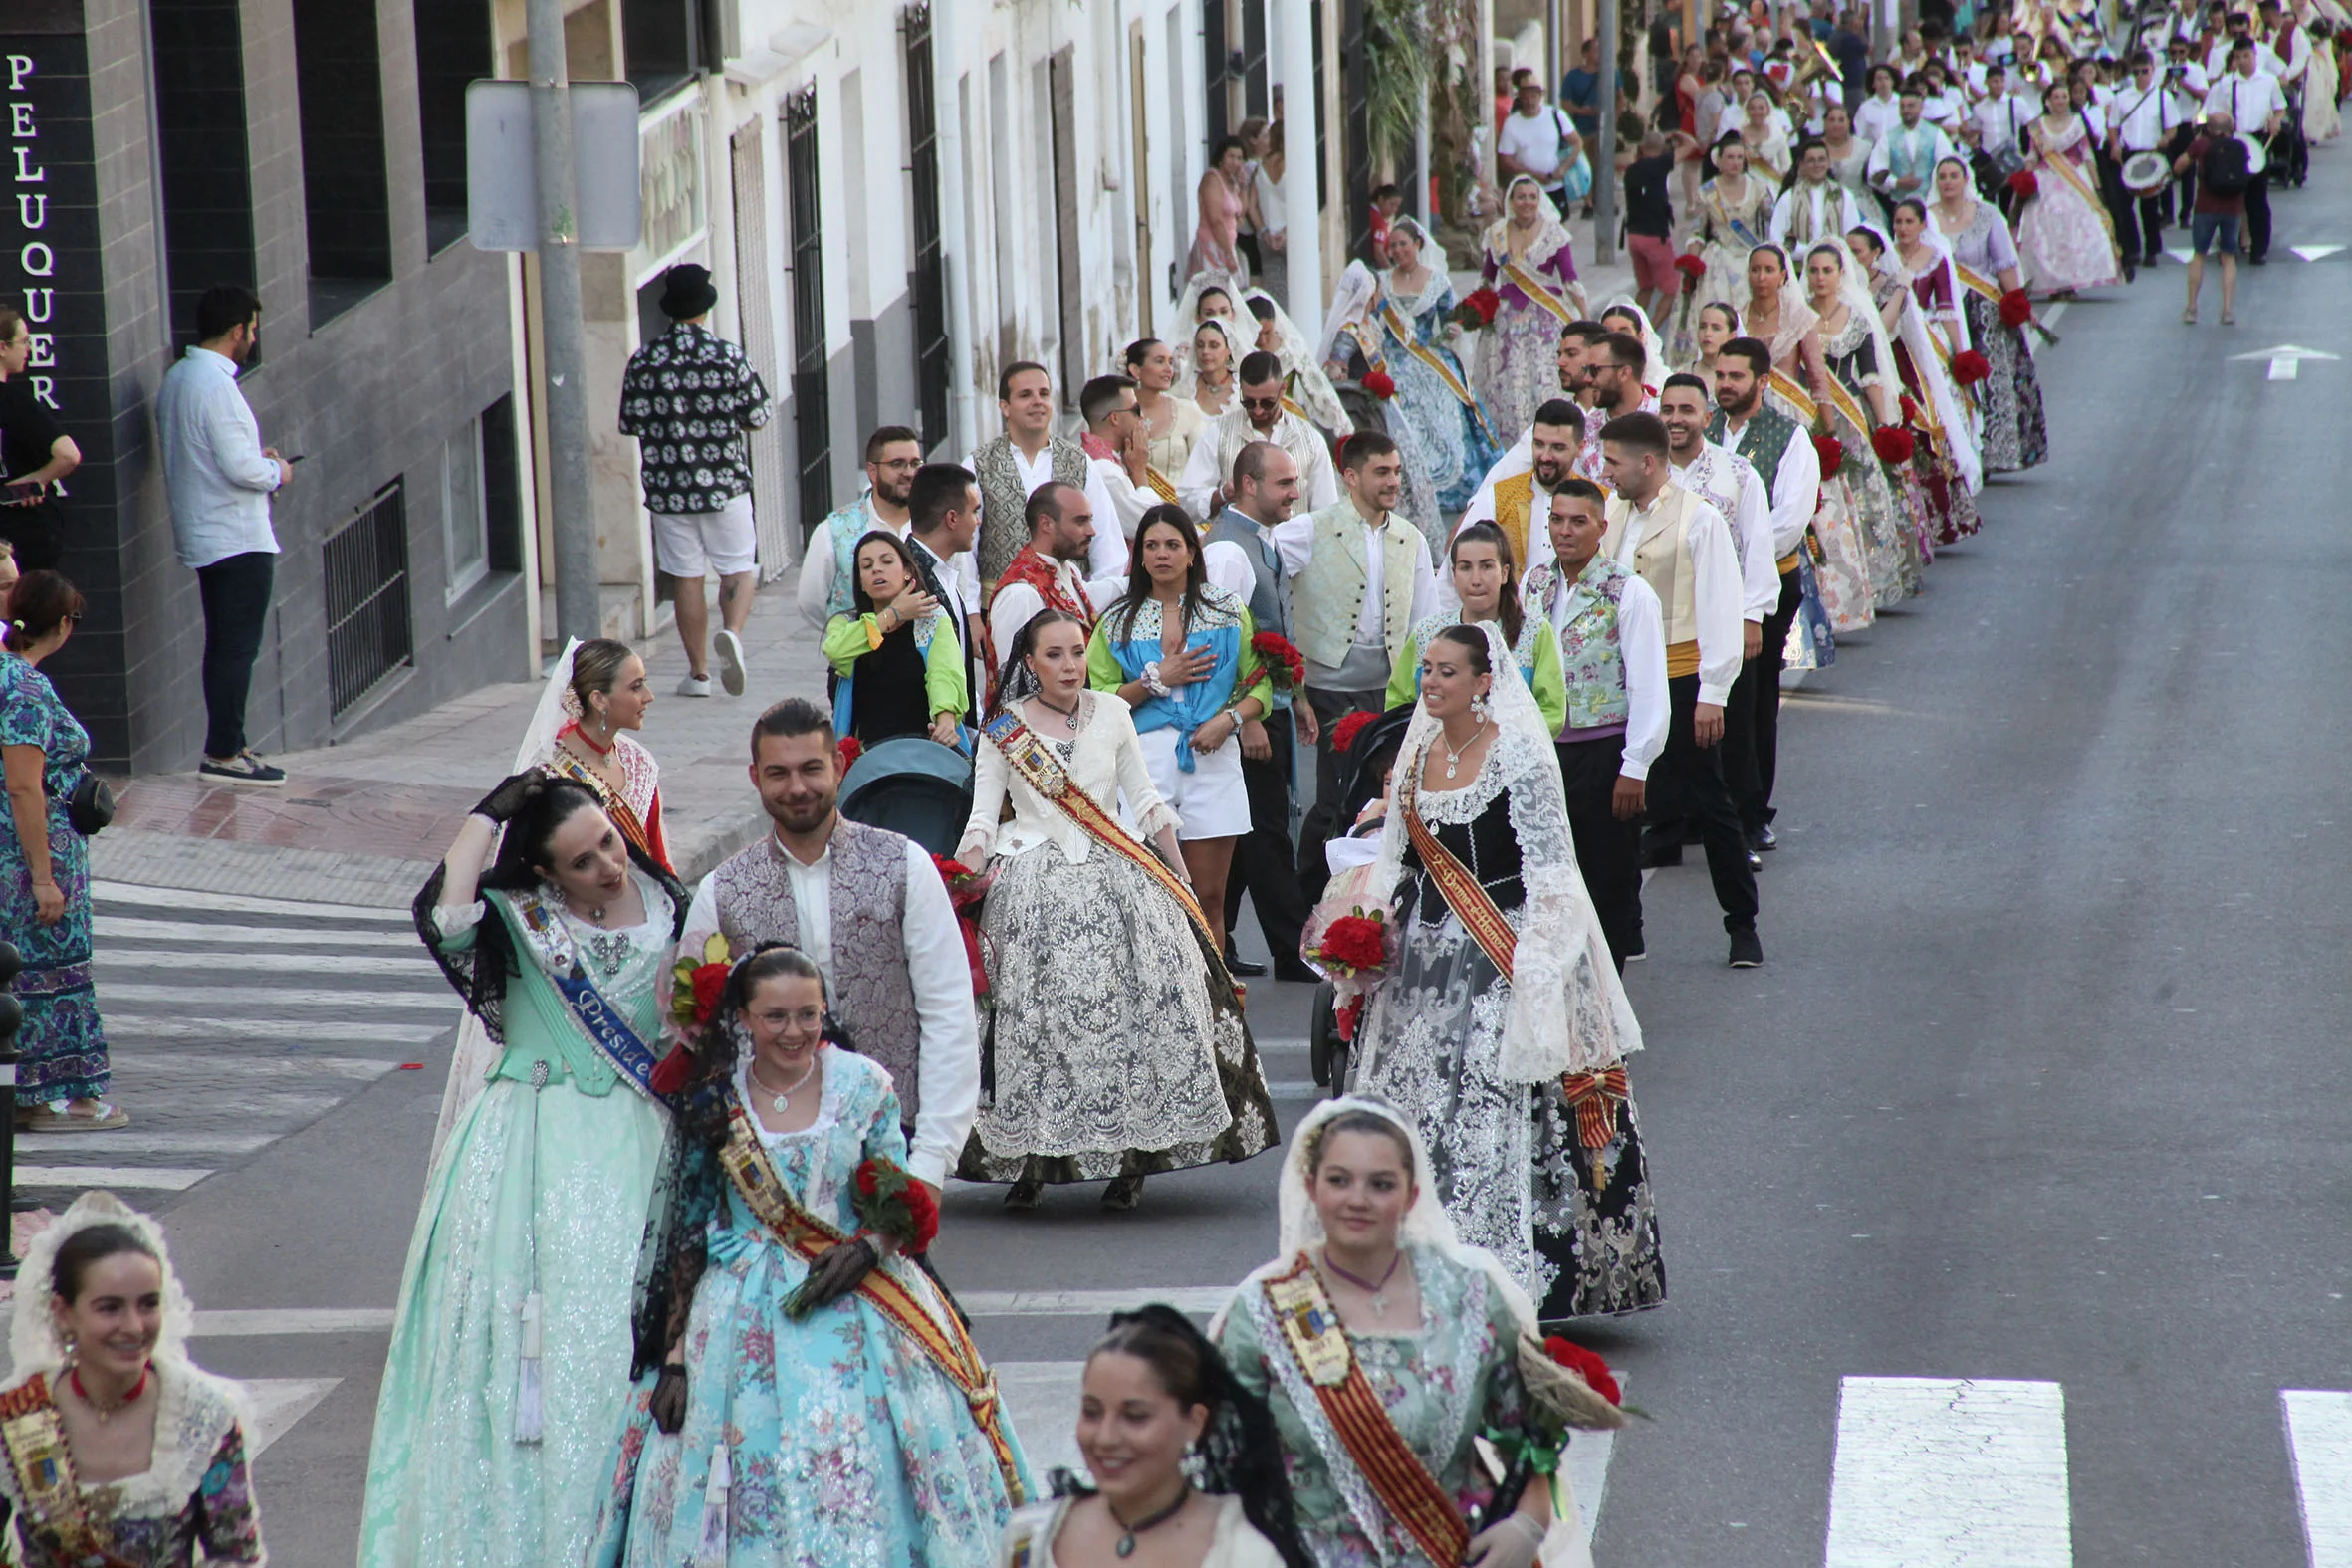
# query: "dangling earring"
{"points": [[1477, 707]]}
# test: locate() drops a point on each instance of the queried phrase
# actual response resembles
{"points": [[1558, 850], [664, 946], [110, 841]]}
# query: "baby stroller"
{"points": [[913, 786], [1370, 753]]}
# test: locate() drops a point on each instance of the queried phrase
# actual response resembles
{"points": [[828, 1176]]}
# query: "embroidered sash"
{"points": [[37, 1457], [1402, 330], [1535, 289], [1463, 894], [625, 815], [1312, 1334], [1976, 283], [1793, 392], [753, 1177], [1158, 481], [598, 1019]]}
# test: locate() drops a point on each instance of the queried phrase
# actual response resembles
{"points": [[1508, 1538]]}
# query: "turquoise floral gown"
{"points": [[845, 1441], [543, 1189]]}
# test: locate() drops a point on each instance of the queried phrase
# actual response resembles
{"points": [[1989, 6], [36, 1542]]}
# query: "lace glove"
{"points": [[668, 1404], [1511, 1543], [501, 803], [842, 1268]]}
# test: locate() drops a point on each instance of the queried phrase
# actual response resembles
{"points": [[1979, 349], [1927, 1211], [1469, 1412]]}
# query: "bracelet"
{"points": [[1151, 680], [1517, 1516]]}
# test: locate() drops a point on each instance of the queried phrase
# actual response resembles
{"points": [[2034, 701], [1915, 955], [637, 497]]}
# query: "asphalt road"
{"points": [[2043, 1085]]}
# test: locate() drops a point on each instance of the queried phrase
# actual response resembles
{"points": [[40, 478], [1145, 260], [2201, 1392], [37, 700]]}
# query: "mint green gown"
{"points": [[447, 1483]]}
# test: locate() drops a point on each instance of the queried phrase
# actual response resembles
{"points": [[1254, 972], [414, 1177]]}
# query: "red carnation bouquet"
{"points": [[1968, 367], [966, 890], [2016, 310], [1354, 950], [1344, 732], [887, 1203], [1831, 452], [1569, 1389], [1892, 443], [1285, 665], [1380, 385], [2023, 185], [1476, 308], [1692, 268], [696, 981], [848, 751]]}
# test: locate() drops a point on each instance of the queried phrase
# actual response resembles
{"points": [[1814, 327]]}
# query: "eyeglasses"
{"points": [[803, 1021]]}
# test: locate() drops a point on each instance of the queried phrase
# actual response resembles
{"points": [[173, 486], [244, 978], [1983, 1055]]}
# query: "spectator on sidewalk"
{"points": [[220, 479], [34, 453], [689, 397], [1537, 141], [62, 1067]]}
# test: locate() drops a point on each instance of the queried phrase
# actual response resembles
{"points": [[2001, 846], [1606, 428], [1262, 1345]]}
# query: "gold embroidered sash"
{"points": [[625, 816], [37, 1457], [1976, 283], [1535, 288], [1159, 482], [1312, 1334], [1402, 330], [1463, 894], [1793, 392], [754, 1177]]}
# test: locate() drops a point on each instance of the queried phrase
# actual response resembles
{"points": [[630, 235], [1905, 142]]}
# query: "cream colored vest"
{"points": [[1663, 558], [1328, 599]]}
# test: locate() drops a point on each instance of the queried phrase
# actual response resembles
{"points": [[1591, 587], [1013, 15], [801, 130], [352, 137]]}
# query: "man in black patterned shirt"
{"points": [[688, 397]]}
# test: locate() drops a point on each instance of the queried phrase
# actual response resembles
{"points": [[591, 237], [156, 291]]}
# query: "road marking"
{"points": [[190, 997], [233, 904], [132, 928], [2179, 253], [276, 1404], [2285, 359], [2320, 1439], [1945, 1472], [133, 1026], [130, 1140], [2315, 252], [231, 1074], [1197, 1299], [146, 1178], [271, 962]]}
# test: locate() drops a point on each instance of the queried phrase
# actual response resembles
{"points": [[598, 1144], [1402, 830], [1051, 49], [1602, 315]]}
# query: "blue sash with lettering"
{"points": [[603, 1024]]}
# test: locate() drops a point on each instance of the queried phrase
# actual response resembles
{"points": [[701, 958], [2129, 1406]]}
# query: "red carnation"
{"points": [[1357, 941], [923, 1208], [1343, 734], [1485, 302], [1690, 266], [1909, 409], [850, 750], [1968, 367], [1380, 385], [1285, 664], [2023, 185], [867, 1178], [1831, 452], [709, 981], [1892, 443], [2015, 309], [1586, 1364]]}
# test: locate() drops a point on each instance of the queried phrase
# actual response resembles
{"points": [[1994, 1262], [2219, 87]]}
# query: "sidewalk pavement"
{"points": [[364, 821]]}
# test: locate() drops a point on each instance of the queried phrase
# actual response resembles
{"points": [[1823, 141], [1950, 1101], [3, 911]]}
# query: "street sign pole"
{"points": [[1604, 156], [578, 611]]}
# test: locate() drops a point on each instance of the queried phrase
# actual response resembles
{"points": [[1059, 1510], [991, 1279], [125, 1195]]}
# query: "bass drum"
{"points": [[2145, 173]]}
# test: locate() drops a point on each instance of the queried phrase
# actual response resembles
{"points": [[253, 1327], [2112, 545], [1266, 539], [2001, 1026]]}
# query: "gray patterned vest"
{"points": [[1265, 566], [1003, 496], [872, 994]]}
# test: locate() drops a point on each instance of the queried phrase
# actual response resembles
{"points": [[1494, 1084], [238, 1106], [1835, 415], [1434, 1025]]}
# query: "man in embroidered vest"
{"points": [[1012, 467], [1520, 503], [1239, 555], [1727, 482], [1258, 414], [1050, 570], [1613, 649], [893, 455], [1683, 550], [869, 907], [1360, 580], [1780, 452], [1119, 448]]}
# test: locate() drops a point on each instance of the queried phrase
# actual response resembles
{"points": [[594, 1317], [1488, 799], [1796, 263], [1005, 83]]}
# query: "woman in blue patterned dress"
{"points": [[807, 1394], [1407, 329], [62, 1072]]}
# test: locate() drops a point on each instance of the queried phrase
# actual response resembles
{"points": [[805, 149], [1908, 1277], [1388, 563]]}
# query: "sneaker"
{"points": [[695, 686], [729, 648], [244, 768], [1746, 951]]}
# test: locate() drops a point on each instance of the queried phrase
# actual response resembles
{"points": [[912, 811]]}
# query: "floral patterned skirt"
{"points": [[61, 1045], [2017, 435], [1520, 370]]}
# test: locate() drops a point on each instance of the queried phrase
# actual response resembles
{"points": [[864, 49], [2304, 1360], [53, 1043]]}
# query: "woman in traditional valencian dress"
{"points": [[1500, 1030], [1772, 313], [1385, 1347], [1766, 143], [605, 695], [1407, 331], [1858, 400], [135, 1457], [2065, 239], [1116, 1045], [1530, 264], [1906, 283], [1718, 323], [1483, 573], [806, 1394], [2015, 435], [1849, 156], [504, 1381], [1185, 1464], [1206, 375], [1735, 217]]}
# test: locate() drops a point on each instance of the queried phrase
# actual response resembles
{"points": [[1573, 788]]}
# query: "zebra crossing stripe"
{"points": [[2319, 1441], [79, 1178], [187, 998], [235, 904], [133, 928], [121, 961], [1950, 1472]]}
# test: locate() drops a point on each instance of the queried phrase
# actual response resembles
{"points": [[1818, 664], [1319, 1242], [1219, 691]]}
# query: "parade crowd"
{"points": [[1428, 635]]}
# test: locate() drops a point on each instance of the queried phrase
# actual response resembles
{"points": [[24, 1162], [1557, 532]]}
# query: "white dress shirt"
{"points": [[2250, 100], [1205, 469], [1017, 603], [1874, 115], [2266, 62], [2001, 121], [1641, 649], [1109, 557], [1928, 147], [1717, 591], [1129, 500], [2143, 120], [1795, 487], [948, 1029], [218, 482], [2297, 57], [1731, 484]]}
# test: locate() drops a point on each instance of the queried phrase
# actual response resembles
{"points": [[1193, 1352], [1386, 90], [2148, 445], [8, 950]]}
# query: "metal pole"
{"points": [[578, 611], [947, 118], [1303, 180], [12, 1015], [1604, 156]]}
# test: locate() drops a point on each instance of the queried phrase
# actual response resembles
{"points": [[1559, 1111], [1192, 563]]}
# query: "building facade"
{"points": [[303, 148]]}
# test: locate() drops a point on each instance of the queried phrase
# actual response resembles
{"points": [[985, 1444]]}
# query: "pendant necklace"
{"points": [[1126, 1544], [778, 1102], [1454, 753], [1378, 1290]]}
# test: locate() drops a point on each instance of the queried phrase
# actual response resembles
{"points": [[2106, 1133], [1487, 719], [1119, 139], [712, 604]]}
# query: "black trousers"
{"points": [[1329, 708], [1759, 719], [1608, 851], [1264, 863], [2257, 217], [235, 593], [1687, 781], [2144, 240]]}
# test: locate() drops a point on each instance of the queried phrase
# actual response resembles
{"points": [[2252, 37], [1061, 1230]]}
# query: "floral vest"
{"points": [[1030, 568], [1002, 497], [872, 994], [1592, 659]]}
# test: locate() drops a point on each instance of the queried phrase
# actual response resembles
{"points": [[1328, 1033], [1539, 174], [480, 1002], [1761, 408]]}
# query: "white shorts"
{"points": [[1212, 800], [698, 544]]}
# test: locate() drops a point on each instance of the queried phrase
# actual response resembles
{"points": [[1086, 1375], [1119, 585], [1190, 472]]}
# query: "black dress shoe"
{"points": [[1754, 861], [1765, 839], [1247, 969], [1746, 951], [1297, 973]]}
